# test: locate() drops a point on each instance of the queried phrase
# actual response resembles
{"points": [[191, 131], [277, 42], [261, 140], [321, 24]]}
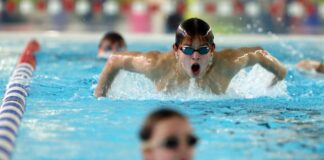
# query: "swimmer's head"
{"points": [[167, 135], [112, 42], [194, 28], [194, 47]]}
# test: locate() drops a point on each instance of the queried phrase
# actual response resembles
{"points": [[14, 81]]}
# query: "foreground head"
{"points": [[167, 135], [111, 42], [194, 47]]}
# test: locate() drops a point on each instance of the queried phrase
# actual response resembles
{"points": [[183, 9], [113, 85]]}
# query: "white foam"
{"points": [[246, 84], [255, 83]]}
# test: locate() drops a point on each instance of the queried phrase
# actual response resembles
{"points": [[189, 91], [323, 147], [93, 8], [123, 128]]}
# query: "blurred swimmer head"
{"points": [[111, 42], [194, 47], [167, 135]]}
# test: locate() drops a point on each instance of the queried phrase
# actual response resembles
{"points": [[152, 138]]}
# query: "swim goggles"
{"points": [[189, 50], [174, 142]]}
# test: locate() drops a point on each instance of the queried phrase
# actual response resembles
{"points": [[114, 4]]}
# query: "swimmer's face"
{"points": [[173, 130], [195, 64], [108, 45]]}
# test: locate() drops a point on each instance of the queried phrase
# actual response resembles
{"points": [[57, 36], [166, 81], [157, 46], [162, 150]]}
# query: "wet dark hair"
{"points": [[153, 119], [194, 27], [115, 37]]}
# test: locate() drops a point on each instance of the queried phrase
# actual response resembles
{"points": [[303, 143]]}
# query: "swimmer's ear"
{"points": [[174, 46], [213, 46]]}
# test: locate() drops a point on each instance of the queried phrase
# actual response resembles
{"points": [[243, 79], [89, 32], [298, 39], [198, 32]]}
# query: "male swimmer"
{"points": [[311, 65], [193, 57], [167, 135], [112, 42]]}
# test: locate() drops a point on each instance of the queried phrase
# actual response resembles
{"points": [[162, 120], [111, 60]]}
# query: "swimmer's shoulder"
{"points": [[233, 53], [159, 63], [153, 54], [226, 55], [151, 57], [150, 54], [225, 52], [156, 58], [161, 59]]}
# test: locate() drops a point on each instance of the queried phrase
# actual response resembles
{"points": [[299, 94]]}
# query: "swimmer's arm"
{"points": [[310, 65], [134, 62], [245, 57]]}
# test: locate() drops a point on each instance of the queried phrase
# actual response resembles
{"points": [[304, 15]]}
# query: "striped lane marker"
{"points": [[13, 104], [23, 70]]}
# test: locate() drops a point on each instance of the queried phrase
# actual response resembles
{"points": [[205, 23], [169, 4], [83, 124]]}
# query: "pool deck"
{"points": [[96, 36]]}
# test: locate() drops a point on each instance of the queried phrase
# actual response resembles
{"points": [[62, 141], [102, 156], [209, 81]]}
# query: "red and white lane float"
{"points": [[14, 101]]}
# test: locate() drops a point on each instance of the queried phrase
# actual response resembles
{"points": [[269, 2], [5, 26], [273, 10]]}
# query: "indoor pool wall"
{"points": [[64, 121]]}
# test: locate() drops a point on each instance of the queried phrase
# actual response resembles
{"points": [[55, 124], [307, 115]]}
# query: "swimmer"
{"points": [[311, 65], [193, 57], [167, 135], [110, 43]]}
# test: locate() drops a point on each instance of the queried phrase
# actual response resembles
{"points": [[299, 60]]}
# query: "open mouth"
{"points": [[195, 68]]}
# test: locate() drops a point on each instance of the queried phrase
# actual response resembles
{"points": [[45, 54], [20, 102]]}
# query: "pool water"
{"points": [[251, 121]]}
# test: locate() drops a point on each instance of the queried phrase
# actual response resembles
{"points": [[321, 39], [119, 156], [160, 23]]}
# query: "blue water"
{"points": [[64, 121]]}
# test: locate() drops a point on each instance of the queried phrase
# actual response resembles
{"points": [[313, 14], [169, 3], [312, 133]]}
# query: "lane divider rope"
{"points": [[14, 101]]}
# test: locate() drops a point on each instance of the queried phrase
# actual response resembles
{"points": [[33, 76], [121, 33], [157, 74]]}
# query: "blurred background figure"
{"points": [[311, 65], [110, 43], [163, 16], [167, 135]]}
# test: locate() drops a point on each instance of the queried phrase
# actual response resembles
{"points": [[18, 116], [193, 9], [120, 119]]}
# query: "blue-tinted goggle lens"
{"points": [[190, 51], [203, 50], [107, 49]]}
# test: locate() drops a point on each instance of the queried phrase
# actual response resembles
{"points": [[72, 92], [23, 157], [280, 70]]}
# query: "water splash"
{"points": [[246, 84], [255, 83]]}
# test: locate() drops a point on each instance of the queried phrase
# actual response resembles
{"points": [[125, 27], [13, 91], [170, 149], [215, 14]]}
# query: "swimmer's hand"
{"points": [[281, 74], [98, 93], [274, 81], [266, 60]]}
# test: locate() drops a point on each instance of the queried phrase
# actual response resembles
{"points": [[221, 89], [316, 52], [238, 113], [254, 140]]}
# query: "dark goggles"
{"points": [[173, 142], [189, 50], [107, 49]]}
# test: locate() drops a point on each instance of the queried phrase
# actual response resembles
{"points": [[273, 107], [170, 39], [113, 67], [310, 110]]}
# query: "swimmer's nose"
{"points": [[183, 150], [195, 56]]}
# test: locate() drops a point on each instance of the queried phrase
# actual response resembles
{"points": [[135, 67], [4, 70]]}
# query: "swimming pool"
{"points": [[64, 121]]}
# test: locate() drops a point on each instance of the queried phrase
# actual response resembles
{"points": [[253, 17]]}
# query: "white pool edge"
{"points": [[96, 36]]}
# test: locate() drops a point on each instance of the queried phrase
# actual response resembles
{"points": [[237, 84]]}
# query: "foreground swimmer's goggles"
{"points": [[108, 49], [174, 142], [189, 50]]}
